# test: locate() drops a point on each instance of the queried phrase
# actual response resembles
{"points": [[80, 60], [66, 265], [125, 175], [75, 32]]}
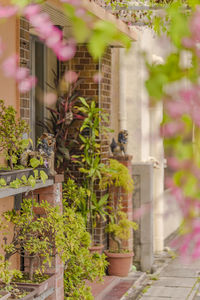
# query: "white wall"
{"points": [[143, 123]]}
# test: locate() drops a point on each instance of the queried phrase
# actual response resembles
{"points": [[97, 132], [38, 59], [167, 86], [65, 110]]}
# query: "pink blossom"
{"points": [[21, 74], [173, 163], [195, 114], [97, 77], [10, 66], [177, 108], [80, 12], [65, 51], [49, 33], [188, 42], [50, 99], [172, 128], [195, 25], [72, 2], [31, 10], [26, 84], [71, 76], [8, 11]]}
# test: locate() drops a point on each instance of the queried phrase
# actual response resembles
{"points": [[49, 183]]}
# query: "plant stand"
{"points": [[4, 295], [46, 294], [9, 176]]}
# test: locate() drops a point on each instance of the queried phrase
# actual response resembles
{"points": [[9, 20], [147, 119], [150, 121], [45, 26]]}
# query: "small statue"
{"points": [[119, 148], [46, 147]]}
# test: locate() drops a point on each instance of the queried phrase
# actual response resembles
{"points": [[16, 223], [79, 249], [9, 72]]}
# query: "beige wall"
{"points": [[8, 92], [8, 89]]}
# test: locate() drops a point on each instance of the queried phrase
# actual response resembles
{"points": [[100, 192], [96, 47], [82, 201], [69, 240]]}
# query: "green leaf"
{"points": [[16, 183], [2, 182], [34, 162], [24, 179], [83, 101], [43, 176], [32, 181]]}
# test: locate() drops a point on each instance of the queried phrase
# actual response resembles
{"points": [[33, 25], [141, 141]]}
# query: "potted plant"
{"points": [[34, 239], [7, 289], [116, 177], [12, 142], [91, 166], [119, 228], [80, 266]]}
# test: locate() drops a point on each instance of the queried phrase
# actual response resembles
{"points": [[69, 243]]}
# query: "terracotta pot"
{"points": [[39, 287], [96, 249], [39, 211], [119, 263]]}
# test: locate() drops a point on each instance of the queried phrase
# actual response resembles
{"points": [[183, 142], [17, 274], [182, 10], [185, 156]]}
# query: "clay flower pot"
{"points": [[96, 249], [119, 263]]}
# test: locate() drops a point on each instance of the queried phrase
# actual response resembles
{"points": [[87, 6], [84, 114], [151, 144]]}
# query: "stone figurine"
{"points": [[45, 149], [120, 148]]}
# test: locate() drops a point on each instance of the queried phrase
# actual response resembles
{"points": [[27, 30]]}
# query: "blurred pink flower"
{"points": [[50, 99], [72, 2], [172, 128], [80, 12], [26, 84], [97, 77], [50, 34], [71, 76], [195, 24], [188, 42], [177, 108], [9, 66], [21, 75], [8, 11]]}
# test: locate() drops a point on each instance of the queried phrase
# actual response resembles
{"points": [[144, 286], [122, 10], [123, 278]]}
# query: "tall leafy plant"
{"points": [[90, 160], [12, 131], [59, 123]]}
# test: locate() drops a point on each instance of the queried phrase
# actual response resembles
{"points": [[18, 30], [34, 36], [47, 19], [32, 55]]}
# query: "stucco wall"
{"points": [[8, 33], [143, 126], [8, 92]]}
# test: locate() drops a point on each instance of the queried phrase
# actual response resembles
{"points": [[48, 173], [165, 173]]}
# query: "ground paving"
{"points": [[177, 281]]}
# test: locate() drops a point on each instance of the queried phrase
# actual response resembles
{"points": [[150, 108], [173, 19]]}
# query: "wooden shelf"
{"points": [[6, 192]]}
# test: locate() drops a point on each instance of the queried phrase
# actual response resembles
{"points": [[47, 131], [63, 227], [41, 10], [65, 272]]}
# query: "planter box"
{"points": [[4, 295], [39, 287], [30, 296], [9, 176]]}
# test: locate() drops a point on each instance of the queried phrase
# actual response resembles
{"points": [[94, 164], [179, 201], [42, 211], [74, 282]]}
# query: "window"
{"points": [[45, 67]]}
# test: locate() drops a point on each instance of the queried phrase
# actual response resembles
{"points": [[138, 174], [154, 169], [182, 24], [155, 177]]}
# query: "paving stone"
{"points": [[179, 272], [160, 291], [178, 262], [159, 298], [175, 282]]}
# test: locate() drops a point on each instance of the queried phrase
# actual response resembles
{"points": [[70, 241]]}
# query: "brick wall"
{"points": [[25, 62], [101, 93]]}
